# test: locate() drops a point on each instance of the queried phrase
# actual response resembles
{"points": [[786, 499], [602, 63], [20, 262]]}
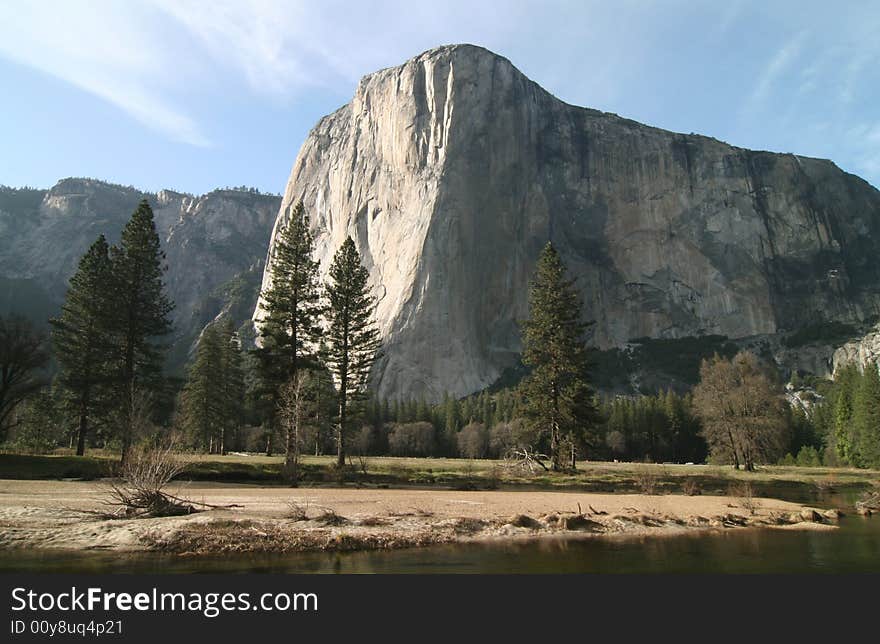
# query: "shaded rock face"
{"points": [[215, 245], [453, 170]]}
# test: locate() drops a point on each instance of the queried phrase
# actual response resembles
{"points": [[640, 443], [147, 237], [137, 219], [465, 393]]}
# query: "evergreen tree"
{"points": [[203, 401], [139, 316], [352, 337], [233, 384], [556, 395], [451, 423], [40, 424], [845, 442], [866, 416], [289, 330], [82, 340]]}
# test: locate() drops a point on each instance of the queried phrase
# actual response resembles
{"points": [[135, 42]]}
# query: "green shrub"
{"points": [[808, 457], [788, 459]]}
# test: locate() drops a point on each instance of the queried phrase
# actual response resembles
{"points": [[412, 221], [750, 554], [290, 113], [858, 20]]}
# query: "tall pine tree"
{"points": [[866, 416], [82, 340], [203, 401], [846, 443], [352, 337], [233, 384], [289, 328], [140, 316], [556, 395]]}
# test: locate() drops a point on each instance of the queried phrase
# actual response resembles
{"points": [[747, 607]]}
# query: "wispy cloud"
{"points": [[775, 68], [151, 57], [172, 65], [107, 51]]}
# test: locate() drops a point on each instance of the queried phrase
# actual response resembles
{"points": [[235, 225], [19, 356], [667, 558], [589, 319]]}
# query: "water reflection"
{"points": [[855, 547]]}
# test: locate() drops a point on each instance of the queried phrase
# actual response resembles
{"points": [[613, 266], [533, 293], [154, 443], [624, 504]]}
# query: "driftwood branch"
{"points": [[522, 458]]}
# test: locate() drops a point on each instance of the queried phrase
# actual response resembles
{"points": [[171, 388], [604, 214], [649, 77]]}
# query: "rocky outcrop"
{"points": [[215, 245], [452, 171], [862, 352]]}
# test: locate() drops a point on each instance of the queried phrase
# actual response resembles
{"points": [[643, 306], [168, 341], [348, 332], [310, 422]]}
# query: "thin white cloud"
{"points": [[151, 58], [773, 71], [268, 42], [104, 48]]}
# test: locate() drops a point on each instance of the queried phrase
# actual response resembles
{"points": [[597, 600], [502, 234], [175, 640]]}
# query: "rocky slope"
{"points": [[453, 170], [861, 352], [215, 246]]}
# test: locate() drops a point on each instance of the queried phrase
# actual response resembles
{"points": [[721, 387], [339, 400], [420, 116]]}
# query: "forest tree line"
{"points": [[306, 387]]}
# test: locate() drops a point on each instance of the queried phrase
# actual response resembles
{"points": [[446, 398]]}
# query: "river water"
{"points": [[854, 547]]}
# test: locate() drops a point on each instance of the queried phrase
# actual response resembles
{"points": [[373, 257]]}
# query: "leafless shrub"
{"points": [[362, 463], [473, 441], [493, 479], [746, 496], [412, 439], [869, 502], [145, 475], [690, 487], [647, 482], [297, 511]]}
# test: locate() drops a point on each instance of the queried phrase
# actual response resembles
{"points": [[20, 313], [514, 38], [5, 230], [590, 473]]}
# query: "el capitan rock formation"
{"points": [[452, 170]]}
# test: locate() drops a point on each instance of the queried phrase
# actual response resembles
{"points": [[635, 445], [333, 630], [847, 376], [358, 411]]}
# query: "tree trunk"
{"points": [[128, 411], [83, 426], [343, 401], [554, 432], [340, 438], [291, 458]]}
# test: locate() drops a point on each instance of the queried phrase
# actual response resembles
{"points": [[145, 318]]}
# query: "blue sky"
{"points": [[193, 95]]}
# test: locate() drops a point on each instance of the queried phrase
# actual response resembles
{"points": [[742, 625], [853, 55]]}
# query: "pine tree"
{"points": [[866, 416], [82, 340], [352, 337], [203, 403], [452, 423], [289, 328], [846, 384], [556, 395], [140, 313], [233, 384]]}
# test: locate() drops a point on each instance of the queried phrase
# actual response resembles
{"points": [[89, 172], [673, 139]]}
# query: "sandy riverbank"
{"points": [[61, 514]]}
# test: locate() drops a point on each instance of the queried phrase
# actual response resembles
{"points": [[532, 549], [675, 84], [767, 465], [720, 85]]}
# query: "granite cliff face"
{"points": [[862, 352], [453, 170], [214, 243]]}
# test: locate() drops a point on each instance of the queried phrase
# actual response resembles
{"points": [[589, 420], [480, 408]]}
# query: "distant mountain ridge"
{"points": [[215, 246]]}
